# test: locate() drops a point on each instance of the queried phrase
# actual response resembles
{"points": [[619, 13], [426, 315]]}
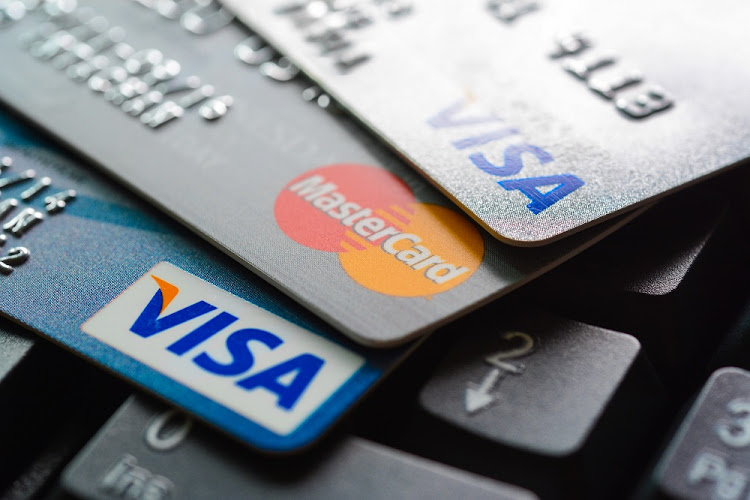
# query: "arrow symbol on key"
{"points": [[478, 397]]}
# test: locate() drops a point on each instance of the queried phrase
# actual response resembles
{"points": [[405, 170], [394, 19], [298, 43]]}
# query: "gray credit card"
{"points": [[286, 187], [537, 117]]}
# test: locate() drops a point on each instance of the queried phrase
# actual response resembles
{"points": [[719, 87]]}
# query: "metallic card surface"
{"points": [[118, 283], [294, 192], [537, 117]]}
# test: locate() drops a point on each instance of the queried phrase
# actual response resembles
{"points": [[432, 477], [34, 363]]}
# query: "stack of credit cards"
{"points": [[257, 218], [288, 189]]}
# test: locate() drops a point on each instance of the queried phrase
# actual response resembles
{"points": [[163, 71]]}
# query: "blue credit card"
{"points": [[95, 270]]}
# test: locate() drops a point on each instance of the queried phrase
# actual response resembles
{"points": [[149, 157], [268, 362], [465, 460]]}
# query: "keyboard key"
{"points": [[39, 382], [59, 448], [147, 451], [709, 457], [551, 404], [15, 346], [25, 392], [673, 278]]}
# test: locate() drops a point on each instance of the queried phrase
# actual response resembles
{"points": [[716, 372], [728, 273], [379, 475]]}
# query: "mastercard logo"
{"points": [[386, 241]]}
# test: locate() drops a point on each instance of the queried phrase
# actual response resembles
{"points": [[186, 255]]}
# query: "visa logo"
{"points": [[541, 192], [229, 350]]}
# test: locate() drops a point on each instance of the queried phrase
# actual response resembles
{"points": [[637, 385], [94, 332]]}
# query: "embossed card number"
{"points": [[142, 83], [14, 258], [28, 217]]}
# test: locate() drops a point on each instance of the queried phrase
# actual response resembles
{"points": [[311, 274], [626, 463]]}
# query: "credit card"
{"points": [[85, 266], [539, 118], [295, 192]]}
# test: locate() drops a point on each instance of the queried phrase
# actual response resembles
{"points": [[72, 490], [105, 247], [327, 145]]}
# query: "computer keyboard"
{"points": [[622, 373]]}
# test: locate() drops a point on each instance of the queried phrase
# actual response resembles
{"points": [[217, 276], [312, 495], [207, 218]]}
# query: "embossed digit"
{"points": [[510, 10], [16, 256], [653, 100], [571, 44]]}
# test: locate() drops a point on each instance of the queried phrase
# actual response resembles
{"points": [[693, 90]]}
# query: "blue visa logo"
{"points": [[227, 349]]}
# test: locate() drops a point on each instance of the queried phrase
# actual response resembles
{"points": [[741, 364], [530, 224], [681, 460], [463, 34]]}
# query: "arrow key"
{"points": [[556, 406]]}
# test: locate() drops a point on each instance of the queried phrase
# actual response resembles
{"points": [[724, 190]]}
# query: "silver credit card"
{"points": [[537, 117], [288, 188]]}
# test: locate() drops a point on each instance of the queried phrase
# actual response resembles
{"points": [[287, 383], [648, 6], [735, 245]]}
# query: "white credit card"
{"points": [[537, 117]]}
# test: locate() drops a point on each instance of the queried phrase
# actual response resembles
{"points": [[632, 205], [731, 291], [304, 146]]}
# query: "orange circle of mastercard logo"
{"points": [[386, 240]]}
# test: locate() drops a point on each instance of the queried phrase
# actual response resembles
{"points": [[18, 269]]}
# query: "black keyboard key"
{"points": [[15, 346], [26, 391], [51, 403], [554, 405], [674, 278], [147, 451], [39, 474], [709, 457]]}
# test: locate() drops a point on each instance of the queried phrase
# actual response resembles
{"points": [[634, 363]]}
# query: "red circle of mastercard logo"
{"points": [[386, 240]]}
